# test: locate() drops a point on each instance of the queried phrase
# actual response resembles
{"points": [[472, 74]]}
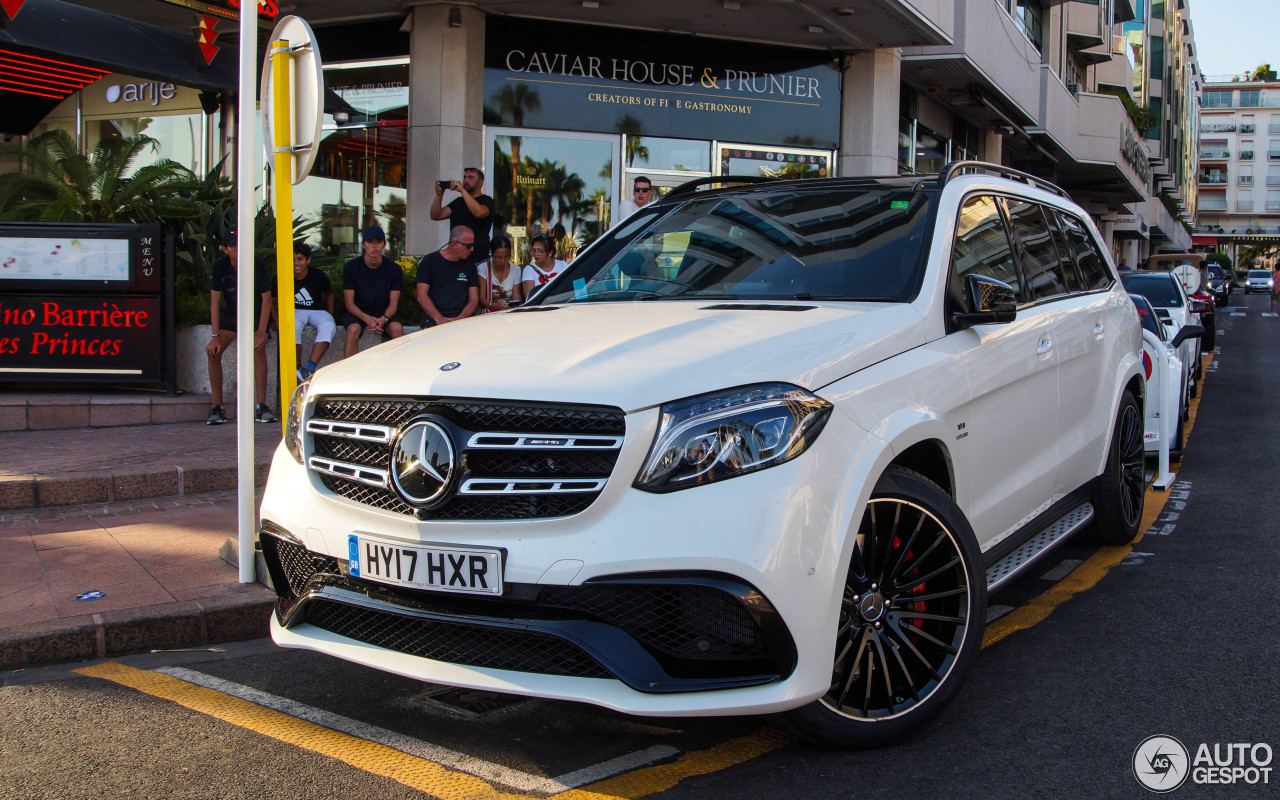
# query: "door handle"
{"points": [[1045, 347]]}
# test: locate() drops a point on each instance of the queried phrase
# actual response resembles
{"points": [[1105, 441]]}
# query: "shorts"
{"points": [[319, 319], [351, 319], [227, 321]]}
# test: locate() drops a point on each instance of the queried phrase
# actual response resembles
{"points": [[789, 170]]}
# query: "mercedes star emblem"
{"points": [[422, 463], [450, 367]]}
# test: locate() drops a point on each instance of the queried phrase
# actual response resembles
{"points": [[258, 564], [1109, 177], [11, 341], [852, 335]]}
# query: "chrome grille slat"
{"points": [[369, 476], [477, 486], [516, 460]]}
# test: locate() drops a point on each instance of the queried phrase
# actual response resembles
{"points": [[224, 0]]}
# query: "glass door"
{"points": [[562, 184]]}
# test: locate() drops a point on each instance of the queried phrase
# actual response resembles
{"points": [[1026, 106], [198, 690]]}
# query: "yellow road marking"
{"points": [[1087, 575], [414, 772]]}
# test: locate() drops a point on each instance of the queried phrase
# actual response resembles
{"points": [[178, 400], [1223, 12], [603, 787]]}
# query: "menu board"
{"points": [[64, 259]]}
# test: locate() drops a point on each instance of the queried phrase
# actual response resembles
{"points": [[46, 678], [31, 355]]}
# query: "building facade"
{"points": [[564, 104]]}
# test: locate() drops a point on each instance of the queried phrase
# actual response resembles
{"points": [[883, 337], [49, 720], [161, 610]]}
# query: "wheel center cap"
{"points": [[871, 607]]}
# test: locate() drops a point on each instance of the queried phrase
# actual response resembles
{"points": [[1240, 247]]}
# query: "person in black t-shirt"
{"points": [[472, 208], [222, 313], [371, 286], [447, 284], [312, 305]]}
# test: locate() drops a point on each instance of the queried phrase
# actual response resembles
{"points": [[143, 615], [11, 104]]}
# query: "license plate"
{"points": [[470, 570]]}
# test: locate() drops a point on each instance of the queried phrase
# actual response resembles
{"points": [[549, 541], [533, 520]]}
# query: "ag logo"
{"points": [[422, 463], [1160, 763]]}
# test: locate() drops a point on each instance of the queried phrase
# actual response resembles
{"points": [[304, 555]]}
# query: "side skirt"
{"points": [[1038, 538]]}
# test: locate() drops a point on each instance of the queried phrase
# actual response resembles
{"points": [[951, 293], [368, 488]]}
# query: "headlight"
{"points": [[714, 437], [293, 421]]}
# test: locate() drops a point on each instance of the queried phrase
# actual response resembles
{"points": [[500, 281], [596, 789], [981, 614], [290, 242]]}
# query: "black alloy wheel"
{"points": [[910, 621], [1119, 492]]}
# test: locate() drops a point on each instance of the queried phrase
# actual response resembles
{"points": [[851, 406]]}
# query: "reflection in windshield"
{"points": [[852, 244]]}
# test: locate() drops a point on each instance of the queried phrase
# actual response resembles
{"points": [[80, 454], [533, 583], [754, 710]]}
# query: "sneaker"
{"points": [[304, 373], [216, 416], [263, 414]]}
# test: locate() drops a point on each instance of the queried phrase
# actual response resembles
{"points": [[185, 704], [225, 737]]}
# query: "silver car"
{"points": [[1259, 280]]}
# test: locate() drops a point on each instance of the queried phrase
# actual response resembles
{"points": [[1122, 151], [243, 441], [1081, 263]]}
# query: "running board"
{"points": [[1013, 564]]}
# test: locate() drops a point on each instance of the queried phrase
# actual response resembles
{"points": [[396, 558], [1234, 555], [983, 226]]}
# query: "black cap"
{"points": [[373, 232], [228, 239]]}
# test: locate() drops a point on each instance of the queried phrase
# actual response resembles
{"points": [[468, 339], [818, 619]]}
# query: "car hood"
{"points": [[633, 355]]}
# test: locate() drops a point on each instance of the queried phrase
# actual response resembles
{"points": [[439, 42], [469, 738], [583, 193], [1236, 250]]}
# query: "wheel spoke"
{"points": [[884, 669], [855, 671], [924, 598], [911, 646], [920, 559], [906, 674], [871, 676], [925, 634], [940, 570], [906, 548], [931, 617]]}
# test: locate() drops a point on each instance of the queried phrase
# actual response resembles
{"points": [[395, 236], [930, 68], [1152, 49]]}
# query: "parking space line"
{"points": [[422, 773], [1087, 575], [480, 768]]}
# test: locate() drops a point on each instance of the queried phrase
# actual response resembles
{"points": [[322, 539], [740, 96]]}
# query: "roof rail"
{"points": [[958, 168], [689, 187]]}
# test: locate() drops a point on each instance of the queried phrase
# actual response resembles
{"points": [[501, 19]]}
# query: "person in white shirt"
{"points": [[641, 196], [500, 283], [545, 265]]}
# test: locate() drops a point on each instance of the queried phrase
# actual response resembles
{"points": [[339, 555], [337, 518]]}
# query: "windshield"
{"points": [[1161, 290], [801, 244], [1259, 273]]}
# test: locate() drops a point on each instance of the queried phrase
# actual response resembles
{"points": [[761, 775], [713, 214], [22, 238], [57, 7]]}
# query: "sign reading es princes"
{"points": [[573, 77]]}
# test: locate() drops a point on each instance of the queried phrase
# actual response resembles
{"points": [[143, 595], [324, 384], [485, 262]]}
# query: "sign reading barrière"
{"points": [[80, 303]]}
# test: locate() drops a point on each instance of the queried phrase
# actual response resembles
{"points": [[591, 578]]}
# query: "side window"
{"points": [[1041, 264], [982, 246], [1069, 270], [1088, 259]]}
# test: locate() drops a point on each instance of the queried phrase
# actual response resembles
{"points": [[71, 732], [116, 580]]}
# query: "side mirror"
{"points": [[992, 301], [1199, 306], [1187, 332]]}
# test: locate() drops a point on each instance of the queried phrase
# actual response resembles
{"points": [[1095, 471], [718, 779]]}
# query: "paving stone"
{"points": [[102, 416], [17, 492], [50, 416], [143, 482], [73, 489], [13, 418]]}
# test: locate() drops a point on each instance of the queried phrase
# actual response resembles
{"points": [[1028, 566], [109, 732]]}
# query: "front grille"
{"points": [[455, 643], [298, 564], [464, 419]]}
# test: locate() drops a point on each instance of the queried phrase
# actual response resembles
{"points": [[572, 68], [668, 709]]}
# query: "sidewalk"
{"points": [[144, 531]]}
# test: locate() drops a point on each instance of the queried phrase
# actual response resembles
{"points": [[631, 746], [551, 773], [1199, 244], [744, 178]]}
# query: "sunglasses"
{"points": [[468, 245], [645, 190]]}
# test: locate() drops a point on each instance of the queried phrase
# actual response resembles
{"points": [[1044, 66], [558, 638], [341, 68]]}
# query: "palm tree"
{"points": [[59, 184], [513, 101], [633, 129]]}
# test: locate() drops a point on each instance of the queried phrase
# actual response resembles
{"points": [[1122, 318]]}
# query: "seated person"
{"points": [[500, 284], [371, 286], [222, 311], [446, 280], [312, 305], [544, 266]]}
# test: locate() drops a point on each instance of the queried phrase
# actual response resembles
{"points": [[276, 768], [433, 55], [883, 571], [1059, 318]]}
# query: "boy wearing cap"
{"points": [[222, 313], [371, 286], [312, 305]]}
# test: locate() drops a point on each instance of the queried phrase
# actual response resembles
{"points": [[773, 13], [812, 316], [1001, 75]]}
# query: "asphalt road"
{"points": [[1179, 638]]}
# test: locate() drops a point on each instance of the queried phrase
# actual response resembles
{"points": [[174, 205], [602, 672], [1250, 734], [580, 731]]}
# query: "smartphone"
{"points": [[444, 185]]}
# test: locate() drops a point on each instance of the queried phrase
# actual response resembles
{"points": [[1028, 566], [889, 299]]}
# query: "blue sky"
{"points": [[1236, 35]]}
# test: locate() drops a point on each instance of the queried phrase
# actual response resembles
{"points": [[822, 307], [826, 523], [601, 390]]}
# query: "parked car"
{"points": [[1175, 311], [1219, 285], [1163, 367], [1258, 280], [761, 448]]}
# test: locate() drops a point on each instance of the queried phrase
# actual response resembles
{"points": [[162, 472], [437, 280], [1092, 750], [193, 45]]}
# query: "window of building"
{"points": [[1247, 124], [982, 246], [1273, 199], [1155, 67], [1250, 98], [1246, 174], [1029, 16], [1216, 99]]}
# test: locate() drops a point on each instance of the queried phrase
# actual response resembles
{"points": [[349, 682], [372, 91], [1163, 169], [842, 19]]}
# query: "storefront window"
{"points": [[931, 151], [180, 136], [773, 162], [359, 174], [677, 155], [906, 145], [556, 184]]}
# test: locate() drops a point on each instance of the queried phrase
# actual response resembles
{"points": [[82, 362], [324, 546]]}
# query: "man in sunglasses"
{"points": [[472, 208], [641, 195], [447, 286]]}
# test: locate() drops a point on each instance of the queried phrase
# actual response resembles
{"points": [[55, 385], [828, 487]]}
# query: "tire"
{"points": [[1210, 335], [1118, 493], [911, 620], [1175, 447]]}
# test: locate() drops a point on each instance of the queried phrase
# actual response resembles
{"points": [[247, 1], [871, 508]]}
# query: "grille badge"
{"points": [[422, 462]]}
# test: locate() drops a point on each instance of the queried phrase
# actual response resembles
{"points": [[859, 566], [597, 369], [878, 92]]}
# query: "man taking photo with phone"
{"points": [[472, 208]]}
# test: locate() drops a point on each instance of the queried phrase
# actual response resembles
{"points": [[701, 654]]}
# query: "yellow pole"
{"points": [[281, 126]]}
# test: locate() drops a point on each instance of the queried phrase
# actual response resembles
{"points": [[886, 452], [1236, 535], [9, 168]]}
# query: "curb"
{"points": [[106, 486], [229, 618]]}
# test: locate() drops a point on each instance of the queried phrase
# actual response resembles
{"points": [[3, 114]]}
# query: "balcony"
{"points": [[1273, 155], [1273, 180], [1213, 180], [1219, 127], [1215, 155], [1083, 24], [1246, 180], [1248, 127], [1273, 205], [1246, 155], [1244, 205], [1273, 127]]}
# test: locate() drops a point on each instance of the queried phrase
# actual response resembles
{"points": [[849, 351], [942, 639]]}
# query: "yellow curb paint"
{"points": [[1087, 575], [664, 776], [419, 773]]}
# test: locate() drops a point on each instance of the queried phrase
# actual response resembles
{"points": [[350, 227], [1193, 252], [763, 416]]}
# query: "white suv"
{"points": [[763, 448]]}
